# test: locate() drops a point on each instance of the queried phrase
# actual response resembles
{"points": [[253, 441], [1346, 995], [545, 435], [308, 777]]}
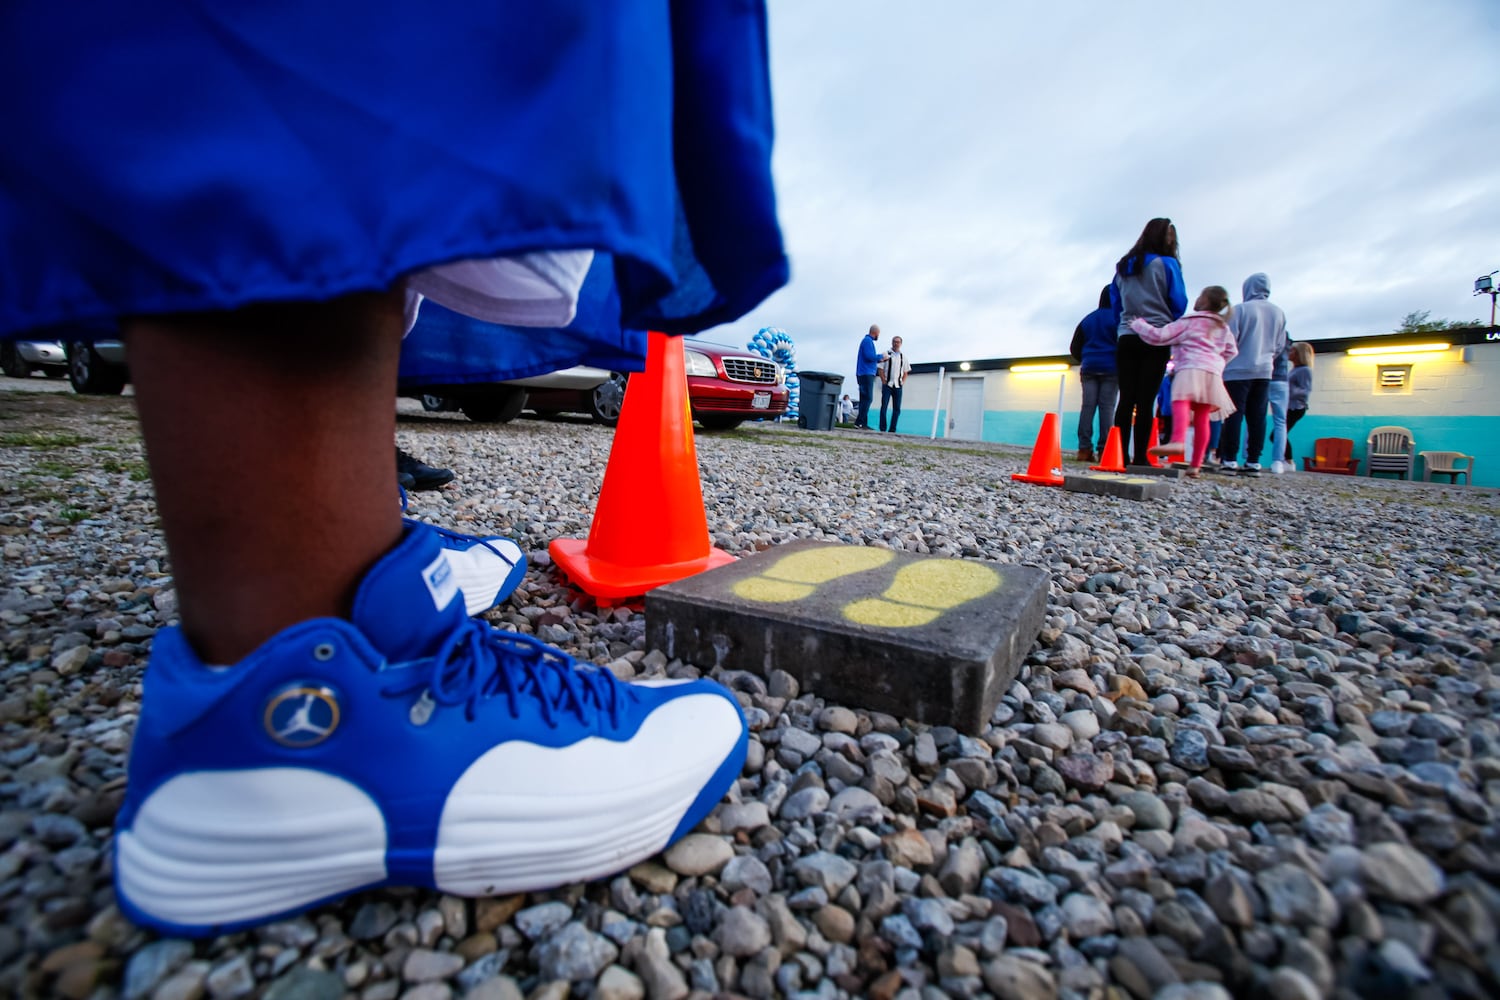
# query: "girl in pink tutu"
{"points": [[1201, 346]]}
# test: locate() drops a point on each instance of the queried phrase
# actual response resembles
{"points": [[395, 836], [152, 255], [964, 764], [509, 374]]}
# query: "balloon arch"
{"points": [[776, 344]]}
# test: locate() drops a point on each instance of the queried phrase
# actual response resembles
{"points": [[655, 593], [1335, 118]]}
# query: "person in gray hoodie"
{"points": [[1259, 327]]}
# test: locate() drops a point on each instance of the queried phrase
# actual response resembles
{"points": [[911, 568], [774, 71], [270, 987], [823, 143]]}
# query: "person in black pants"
{"points": [[1148, 284], [1141, 367], [1250, 397]]}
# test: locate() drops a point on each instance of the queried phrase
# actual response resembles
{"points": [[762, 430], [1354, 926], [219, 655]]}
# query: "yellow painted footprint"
{"points": [[922, 591], [796, 576]]}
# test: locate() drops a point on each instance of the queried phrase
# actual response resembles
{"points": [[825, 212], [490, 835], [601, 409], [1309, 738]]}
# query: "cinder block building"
{"points": [[1443, 387]]}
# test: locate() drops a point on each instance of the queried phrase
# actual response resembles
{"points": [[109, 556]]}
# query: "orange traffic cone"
{"points": [[649, 525], [1046, 456], [1151, 446], [1114, 458]]}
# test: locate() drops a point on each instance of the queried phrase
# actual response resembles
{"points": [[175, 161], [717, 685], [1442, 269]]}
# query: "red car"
{"points": [[726, 387], [729, 385]]}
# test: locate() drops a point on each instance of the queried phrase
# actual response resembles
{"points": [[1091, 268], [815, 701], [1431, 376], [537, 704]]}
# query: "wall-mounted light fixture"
{"points": [[963, 366], [1384, 350], [1053, 366]]}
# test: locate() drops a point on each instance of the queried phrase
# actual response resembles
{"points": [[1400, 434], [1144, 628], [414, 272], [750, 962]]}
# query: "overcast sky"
{"points": [[965, 173]]}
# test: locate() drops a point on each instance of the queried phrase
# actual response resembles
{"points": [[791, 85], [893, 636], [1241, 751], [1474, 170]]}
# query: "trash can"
{"points": [[819, 400]]}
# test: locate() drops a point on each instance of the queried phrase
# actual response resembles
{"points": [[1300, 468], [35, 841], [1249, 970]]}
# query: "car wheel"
{"points": [[91, 374], [719, 422], [11, 363], [607, 399], [499, 405], [436, 404]]}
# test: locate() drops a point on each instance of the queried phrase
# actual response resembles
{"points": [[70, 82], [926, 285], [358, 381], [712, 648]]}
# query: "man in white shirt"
{"points": [[894, 368]]}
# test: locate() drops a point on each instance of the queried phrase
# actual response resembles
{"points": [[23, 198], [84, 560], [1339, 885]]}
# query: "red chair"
{"points": [[1334, 456]]}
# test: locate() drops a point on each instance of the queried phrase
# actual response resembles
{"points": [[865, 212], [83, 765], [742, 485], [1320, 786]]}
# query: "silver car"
{"points": [[97, 367], [19, 358], [580, 389]]}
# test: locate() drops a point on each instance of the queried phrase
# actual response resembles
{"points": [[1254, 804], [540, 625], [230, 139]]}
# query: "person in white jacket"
{"points": [[894, 368]]}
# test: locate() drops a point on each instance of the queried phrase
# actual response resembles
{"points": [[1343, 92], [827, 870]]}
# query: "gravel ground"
{"points": [[1256, 750]]}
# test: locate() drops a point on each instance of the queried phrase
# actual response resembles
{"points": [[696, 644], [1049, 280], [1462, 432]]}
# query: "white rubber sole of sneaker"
{"points": [[224, 847], [212, 849]]}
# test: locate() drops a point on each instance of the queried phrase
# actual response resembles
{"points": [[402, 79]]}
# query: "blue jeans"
{"points": [[890, 394], [1101, 393], [1249, 397], [1277, 395], [866, 397]]}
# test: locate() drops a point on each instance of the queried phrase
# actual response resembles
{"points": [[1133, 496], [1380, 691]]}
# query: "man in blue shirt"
{"points": [[865, 368]]}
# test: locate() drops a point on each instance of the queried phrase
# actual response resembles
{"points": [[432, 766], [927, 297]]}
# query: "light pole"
{"points": [[1486, 286]]}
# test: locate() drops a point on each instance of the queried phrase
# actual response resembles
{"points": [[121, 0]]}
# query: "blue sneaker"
{"points": [[487, 570], [406, 746]]}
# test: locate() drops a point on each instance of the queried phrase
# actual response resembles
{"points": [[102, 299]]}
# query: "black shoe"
{"points": [[423, 477], [406, 481]]}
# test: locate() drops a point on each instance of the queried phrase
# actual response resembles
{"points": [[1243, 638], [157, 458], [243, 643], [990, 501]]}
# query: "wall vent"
{"points": [[1393, 380]]}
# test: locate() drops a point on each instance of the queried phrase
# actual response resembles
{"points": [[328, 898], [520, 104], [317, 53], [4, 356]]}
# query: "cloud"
{"points": [[966, 173]]}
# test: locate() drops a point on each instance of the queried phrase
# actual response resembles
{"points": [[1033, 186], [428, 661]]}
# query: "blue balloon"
{"points": [[776, 344]]}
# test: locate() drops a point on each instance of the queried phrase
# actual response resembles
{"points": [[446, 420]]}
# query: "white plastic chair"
{"points": [[1390, 449], [1447, 463]]}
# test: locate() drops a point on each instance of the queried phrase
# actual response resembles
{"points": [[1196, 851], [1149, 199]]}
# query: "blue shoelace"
{"points": [[461, 539], [478, 662]]}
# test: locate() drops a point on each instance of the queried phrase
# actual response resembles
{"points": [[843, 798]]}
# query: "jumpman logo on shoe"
{"points": [[302, 716]]}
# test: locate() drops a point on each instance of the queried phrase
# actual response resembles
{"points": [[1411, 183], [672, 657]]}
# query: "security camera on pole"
{"points": [[1486, 286]]}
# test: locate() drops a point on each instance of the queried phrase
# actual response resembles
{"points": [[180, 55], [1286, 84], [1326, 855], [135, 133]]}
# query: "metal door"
{"points": [[966, 408]]}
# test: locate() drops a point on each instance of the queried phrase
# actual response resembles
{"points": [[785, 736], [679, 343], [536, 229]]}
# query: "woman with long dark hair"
{"points": [[1148, 285]]}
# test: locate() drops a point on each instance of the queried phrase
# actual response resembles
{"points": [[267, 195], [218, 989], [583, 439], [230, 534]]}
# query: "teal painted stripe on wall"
{"points": [[1478, 436], [1474, 435], [1017, 427], [1021, 427], [917, 423]]}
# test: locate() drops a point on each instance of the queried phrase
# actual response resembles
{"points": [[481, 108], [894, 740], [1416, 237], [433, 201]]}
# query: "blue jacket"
{"points": [[1299, 388], [869, 357], [1094, 342], [1155, 294]]}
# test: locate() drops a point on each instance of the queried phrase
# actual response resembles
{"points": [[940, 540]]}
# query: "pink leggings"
{"points": [[1200, 414]]}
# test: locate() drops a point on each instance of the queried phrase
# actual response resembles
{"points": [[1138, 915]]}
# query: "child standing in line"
{"points": [[1201, 345], [1299, 385]]}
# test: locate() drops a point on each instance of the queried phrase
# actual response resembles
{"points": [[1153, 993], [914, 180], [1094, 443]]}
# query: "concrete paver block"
{"points": [[1111, 484], [1157, 472], [927, 638]]}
